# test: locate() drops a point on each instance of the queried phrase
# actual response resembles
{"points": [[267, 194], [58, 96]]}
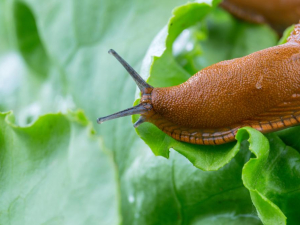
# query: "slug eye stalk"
{"points": [[127, 112], [136, 77], [142, 85]]}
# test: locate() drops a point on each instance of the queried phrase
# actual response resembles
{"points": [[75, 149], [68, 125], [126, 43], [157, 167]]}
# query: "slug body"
{"points": [[278, 13], [261, 90]]}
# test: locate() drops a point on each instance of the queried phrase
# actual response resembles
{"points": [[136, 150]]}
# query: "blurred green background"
{"points": [[59, 166]]}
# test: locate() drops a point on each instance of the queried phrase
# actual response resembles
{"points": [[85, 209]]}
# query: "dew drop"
{"points": [[258, 85]]}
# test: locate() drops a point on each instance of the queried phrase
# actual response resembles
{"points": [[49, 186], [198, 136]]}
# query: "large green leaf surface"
{"points": [[62, 168], [55, 171]]}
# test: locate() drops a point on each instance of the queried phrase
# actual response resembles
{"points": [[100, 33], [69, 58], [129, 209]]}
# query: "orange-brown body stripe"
{"points": [[227, 134]]}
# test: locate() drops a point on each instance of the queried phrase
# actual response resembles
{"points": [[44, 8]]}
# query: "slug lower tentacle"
{"points": [[261, 90]]}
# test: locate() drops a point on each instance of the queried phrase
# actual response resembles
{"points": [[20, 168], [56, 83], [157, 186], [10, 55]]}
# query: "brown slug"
{"points": [[261, 90], [278, 13]]}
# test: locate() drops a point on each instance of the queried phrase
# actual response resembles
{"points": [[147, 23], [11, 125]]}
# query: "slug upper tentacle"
{"points": [[261, 90]]}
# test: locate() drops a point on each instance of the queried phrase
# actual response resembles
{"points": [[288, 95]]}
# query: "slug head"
{"points": [[145, 106]]}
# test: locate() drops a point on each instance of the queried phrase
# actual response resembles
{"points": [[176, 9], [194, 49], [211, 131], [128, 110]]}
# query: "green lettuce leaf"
{"points": [[55, 171], [74, 38], [273, 176], [53, 56], [253, 176], [172, 191], [164, 70], [271, 206]]}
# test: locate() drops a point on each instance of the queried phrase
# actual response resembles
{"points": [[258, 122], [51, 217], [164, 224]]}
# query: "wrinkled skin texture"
{"points": [[261, 90], [278, 13], [232, 91]]}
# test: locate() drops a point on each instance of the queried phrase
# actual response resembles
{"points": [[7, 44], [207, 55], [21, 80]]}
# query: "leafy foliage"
{"points": [[60, 168], [55, 172]]}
